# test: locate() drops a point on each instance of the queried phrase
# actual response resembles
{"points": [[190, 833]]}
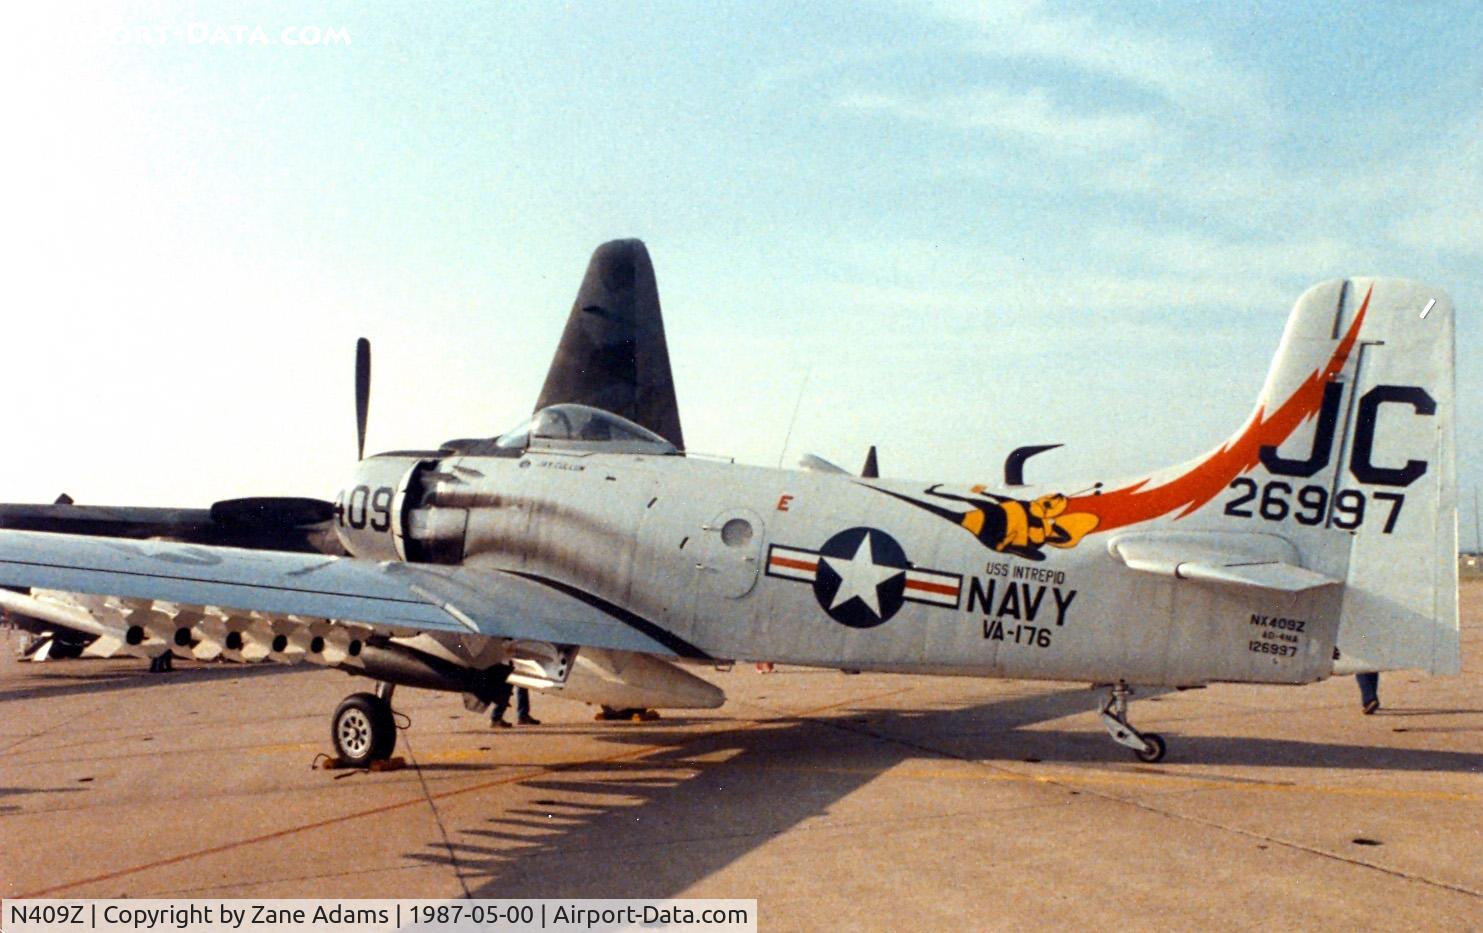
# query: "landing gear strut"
{"points": [[1148, 746], [363, 729]]}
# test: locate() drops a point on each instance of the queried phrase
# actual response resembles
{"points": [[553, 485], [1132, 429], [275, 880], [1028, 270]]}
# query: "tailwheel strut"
{"points": [[1147, 746]]}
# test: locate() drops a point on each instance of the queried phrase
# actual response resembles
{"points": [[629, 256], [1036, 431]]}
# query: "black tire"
{"points": [[1155, 750], [362, 730]]}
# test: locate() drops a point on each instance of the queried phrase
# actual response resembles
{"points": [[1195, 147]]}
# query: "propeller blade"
{"points": [[362, 394]]}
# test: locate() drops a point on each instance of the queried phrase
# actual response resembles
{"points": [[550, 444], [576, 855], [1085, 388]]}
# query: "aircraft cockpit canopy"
{"points": [[576, 428]]}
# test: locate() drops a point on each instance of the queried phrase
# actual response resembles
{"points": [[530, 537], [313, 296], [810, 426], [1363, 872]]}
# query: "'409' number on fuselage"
{"points": [[1276, 501], [362, 507]]}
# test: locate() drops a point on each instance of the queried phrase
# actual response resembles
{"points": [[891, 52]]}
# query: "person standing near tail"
{"points": [[1369, 691]]}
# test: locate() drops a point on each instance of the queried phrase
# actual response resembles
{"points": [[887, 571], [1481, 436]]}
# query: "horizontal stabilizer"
{"points": [[1267, 576], [813, 463], [1261, 561]]}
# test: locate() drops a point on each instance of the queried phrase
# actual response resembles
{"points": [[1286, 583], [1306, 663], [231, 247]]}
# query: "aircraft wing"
{"points": [[399, 596], [1259, 561], [262, 522]]}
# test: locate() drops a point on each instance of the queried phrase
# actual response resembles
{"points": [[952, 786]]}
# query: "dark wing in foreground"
{"points": [[274, 523], [400, 596]]}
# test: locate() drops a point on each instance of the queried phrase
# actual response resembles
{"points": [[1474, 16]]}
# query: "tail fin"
{"points": [[1350, 457], [612, 353], [1397, 493], [1370, 479]]}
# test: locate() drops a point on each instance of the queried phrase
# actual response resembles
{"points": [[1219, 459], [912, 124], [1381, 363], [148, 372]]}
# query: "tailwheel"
{"points": [[1153, 749], [1146, 746], [363, 730]]}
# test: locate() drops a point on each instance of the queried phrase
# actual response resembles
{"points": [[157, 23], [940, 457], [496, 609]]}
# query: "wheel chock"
{"points": [[631, 714], [331, 763]]}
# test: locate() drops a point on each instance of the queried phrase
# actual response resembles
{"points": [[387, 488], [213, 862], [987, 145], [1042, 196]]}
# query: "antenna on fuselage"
{"points": [[802, 387], [362, 394], [872, 468]]}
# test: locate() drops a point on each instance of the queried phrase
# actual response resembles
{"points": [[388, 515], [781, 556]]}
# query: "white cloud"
{"points": [[1032, 115], [1444, 192], [1184, 70], [809, 71], [1457, 229], [1302, 256], [1138, 273]]}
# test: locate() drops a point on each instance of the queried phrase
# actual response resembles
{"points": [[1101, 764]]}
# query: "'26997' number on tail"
{"points": [[1276, 501]]}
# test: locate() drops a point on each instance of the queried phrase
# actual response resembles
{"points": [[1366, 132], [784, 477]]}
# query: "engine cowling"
{"points": [[390, 511]]}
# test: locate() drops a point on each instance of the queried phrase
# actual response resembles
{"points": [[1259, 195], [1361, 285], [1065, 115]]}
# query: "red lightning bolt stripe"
{"points": [[1141, 502]]}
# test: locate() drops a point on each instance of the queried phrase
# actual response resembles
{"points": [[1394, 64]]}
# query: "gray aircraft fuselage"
{"points": [[731, 561]]}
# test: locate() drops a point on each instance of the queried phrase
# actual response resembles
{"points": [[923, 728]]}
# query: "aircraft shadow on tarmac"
{"points": [[23, 791], [702, 801]]}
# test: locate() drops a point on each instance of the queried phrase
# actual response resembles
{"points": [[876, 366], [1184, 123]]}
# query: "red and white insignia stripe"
{"points": [[922, 586], [792, 564], [937, 589]]}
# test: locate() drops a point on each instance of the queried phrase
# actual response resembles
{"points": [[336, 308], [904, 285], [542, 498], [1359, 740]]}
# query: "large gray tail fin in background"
{"points": [[612, 353]]}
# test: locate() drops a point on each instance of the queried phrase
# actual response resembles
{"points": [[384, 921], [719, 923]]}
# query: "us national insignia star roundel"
{"points": [[861, 577]]}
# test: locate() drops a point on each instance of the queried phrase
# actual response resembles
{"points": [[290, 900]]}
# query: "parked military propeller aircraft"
{"points": [[585, 550]]}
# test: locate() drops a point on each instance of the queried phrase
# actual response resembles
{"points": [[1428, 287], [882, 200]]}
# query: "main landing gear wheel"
{"points": [[363, 730], [1146, 746]]}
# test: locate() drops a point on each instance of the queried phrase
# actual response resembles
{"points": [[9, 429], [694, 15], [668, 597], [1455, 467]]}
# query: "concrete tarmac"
{"points": [[851, 802]]}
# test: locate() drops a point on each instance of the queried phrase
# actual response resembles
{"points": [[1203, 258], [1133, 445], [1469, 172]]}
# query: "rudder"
{"points": [[1400, 595], [1372, 473]]}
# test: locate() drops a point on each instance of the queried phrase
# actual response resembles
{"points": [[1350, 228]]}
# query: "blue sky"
{"points": [[954, 228]]}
